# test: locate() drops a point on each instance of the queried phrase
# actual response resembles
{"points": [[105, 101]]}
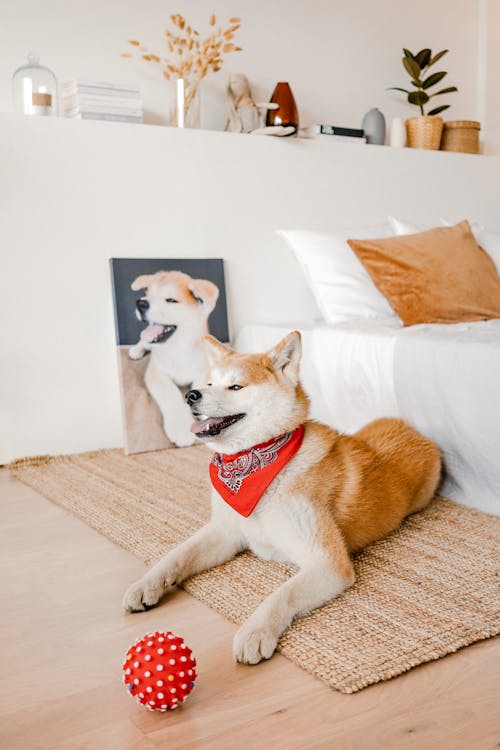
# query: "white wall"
{"points": [[491, 10], [339, 56], [73, 194]]}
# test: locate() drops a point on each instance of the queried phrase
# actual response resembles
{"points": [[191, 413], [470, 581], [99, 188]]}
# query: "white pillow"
{"points": [[338, 280], [491, 243], [400, 226], [488, 240]]}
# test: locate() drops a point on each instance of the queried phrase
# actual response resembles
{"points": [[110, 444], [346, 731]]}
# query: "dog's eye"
{"points": [[235, 388], [171, 299], [209, 383]]}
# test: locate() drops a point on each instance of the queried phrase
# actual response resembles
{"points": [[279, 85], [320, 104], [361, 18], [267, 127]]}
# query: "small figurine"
{"points": [[245, 115]]}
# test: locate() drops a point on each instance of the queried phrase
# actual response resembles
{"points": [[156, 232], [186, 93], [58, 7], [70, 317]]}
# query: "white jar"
{"points": [[397, 133]]}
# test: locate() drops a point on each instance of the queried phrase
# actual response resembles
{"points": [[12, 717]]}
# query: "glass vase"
{"points": [[286, 114], [185, 110]]}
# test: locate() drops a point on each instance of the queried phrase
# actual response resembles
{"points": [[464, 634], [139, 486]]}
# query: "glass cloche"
{"points": [[34, 88]]}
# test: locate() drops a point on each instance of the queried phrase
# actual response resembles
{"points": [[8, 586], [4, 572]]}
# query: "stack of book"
{"points": [[344, 135], [86, 100]]}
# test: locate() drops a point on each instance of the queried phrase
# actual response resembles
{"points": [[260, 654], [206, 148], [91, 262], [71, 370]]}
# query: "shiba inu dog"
{"points": [[289, 489], [176, 308]]}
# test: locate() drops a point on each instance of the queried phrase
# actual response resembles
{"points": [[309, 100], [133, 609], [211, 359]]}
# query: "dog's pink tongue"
{"points": [[151, 332], [203, 424]]}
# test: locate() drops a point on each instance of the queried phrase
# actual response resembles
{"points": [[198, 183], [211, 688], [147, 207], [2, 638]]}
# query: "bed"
{"points": [[443, 379]]}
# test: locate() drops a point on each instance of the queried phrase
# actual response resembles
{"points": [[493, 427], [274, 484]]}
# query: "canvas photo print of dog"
{"points": [[163, 309]]}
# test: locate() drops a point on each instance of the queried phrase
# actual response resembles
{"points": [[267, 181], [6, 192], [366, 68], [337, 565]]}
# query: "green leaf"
{"points": [[437, 57], [418, 97], [412, 67], [407, 53], [437, 110], [396, 88], [449, 90], [433, 79], [423, 57]]}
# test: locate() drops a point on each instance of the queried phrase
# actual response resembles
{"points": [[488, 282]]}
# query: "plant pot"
{"points": [[461, 135], [424, 131]]}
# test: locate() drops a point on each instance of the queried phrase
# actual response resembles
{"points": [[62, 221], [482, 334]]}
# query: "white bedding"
{"points": [[444, 380]]}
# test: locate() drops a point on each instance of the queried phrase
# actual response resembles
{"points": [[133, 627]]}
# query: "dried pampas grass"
{"points": [[190, 57]]}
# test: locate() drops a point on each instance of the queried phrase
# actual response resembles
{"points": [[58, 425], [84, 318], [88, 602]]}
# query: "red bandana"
{"points": [[242, 478]]}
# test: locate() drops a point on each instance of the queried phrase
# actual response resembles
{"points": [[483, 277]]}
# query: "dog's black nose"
{"points": [[192, 396], [142, 305]]}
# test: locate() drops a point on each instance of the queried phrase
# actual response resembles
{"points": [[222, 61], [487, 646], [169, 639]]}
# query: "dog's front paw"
{"points": [[144, 594], [137, 351], [252, 644], [180, 438]]}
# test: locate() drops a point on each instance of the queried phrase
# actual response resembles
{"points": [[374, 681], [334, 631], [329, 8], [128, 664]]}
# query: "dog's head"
{"points": [[173, 300], [248, 398]]}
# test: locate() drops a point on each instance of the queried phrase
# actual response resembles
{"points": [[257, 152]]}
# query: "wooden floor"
{"points": [[63, 637]]}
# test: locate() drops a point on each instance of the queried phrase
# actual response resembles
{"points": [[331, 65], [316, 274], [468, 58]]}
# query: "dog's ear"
{"points": [[285, 356], [141, 282], [205, 292], [215, 350]]}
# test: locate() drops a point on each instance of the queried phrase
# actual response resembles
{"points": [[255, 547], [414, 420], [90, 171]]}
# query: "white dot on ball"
{"points": [[161, 651], [190, 671], [127, 671], [160, 683], [183, 645], [181, 674], [141, 695], [136, 681], [170, 637], [183, 658], [136, 664], [174, 700], [173, 690], [152, 703], [171, 661], [184, 686], [147, 674], [148, 657], [149, 690], [173, 648], [160, 696], [160, 640], [150, 643], [159, 667], [174, 706], [138, 649]]}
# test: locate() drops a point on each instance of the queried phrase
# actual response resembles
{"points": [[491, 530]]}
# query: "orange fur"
{"points": [[367, 483]]}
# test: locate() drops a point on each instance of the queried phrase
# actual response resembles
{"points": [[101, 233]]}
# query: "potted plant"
{"points": [[424, 131]]}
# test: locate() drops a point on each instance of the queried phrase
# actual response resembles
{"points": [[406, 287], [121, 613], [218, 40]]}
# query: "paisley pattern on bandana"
{"points": [[233, 473]]}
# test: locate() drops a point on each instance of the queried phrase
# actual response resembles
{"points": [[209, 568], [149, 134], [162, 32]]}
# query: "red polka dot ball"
{"points": [[159, 671]]}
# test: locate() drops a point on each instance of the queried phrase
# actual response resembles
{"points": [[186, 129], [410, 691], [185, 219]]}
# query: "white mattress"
{"points": [[445, 380]]}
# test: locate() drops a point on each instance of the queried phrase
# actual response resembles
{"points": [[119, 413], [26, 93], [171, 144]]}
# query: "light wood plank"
{"points": [[64, 636]]}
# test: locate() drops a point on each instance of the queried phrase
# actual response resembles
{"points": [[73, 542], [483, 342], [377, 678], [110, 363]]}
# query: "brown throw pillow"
{"points": [[438, 276]]}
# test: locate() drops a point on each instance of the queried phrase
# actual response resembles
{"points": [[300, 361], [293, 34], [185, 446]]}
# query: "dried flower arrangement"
{"points": [[191, 57]]}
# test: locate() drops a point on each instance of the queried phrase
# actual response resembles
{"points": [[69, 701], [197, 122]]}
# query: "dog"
{"points": [[330, 495], [176, 308]]}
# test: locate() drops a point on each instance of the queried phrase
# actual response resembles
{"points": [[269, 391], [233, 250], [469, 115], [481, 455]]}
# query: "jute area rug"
{"points": [[426, 591]]}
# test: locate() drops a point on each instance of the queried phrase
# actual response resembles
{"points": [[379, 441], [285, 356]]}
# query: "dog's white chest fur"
{"points": [[282, 527]]}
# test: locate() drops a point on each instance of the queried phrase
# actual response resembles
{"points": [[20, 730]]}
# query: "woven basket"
{"points": [[424, 131], [461, 135]]}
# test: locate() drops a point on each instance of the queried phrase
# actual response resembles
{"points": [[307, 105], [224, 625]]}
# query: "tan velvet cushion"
{"points": [[438, 276]]}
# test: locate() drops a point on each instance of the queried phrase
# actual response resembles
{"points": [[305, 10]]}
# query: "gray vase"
{"points": [[374, 126]]}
